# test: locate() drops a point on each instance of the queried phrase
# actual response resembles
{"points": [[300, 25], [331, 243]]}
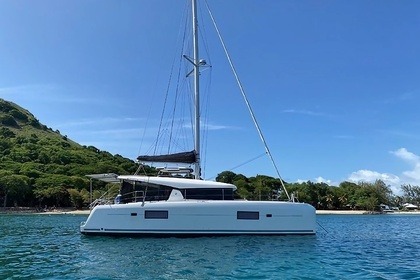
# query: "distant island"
{"points": [[42, 169]]}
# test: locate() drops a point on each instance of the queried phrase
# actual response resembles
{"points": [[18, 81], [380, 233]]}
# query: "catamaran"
{"points": [[180, 203]]}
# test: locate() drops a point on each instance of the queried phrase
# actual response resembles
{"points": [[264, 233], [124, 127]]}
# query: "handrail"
{"points": [[101, 201]]}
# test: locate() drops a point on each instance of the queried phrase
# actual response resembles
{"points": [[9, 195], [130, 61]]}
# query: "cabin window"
{"points": [[228, 194], [157, 192], [248, 215], [138, 191], [208, 194], [155, 214]]}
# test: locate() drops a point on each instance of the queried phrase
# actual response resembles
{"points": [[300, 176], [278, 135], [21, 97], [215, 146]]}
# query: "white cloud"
{"points": [[27, 89], [406, 155], [97, 121], [303, 112], [371, 176], [411, 176], [218, 127], [51, 93], [318, 180], [209, 126], [344, 136], [322, 180]]}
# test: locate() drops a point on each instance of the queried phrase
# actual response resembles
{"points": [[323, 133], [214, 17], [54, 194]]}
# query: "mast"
{"points": [[196, 64]]}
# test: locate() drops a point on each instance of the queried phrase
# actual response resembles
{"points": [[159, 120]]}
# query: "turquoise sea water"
{"points": [[352, 247]]}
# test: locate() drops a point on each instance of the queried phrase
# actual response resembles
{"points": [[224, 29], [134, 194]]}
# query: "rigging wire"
{"points": [[244, 163], [167, 94], [172, 129], [248, 161], [147, 122], [206, 126], [246, 99], [163, 110], [176, 98]]}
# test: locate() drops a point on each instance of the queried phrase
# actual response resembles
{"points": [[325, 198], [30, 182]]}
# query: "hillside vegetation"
{"points": [[39, 166]]}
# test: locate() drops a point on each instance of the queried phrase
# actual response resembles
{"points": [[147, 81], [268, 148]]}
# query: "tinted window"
{"points": [[248, 215], [139, 191], [209, 194], [155, 214]]}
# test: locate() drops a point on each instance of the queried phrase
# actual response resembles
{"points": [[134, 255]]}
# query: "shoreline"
{"points": [[67, 211], [364, 212]]}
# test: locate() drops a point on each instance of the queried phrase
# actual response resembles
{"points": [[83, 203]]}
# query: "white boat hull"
{"points": [[202, 217]]}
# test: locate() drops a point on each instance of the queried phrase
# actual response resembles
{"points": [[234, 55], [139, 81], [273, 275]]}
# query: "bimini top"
{"points": [[178, 183], [105, 177]]}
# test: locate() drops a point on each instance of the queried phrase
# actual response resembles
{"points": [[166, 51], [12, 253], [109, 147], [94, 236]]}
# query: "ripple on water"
{"points": [[355, 247]]}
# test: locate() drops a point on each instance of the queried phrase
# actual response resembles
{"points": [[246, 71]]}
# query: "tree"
{"points": [[226, 177], [8, 120], [6, 132], [368, 203], [76, 198], [383, 192], [53, 196], [411, 193], [347, 194], [19, 115], [243, 190], [329, 200], [370, 195], [265, 187], [15, 186]]}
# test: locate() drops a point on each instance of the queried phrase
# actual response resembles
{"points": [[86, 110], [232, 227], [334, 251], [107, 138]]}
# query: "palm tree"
{"points": [[329, 198], [343, 201]]}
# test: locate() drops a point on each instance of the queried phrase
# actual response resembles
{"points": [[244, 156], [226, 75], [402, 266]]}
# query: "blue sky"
{"points": [[334, 84]]}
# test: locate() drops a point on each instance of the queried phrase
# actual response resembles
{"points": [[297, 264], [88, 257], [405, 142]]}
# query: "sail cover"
{"points": [[184, 157]]}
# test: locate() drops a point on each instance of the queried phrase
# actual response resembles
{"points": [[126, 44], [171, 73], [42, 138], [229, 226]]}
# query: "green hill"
{"points": [[39, 166]]}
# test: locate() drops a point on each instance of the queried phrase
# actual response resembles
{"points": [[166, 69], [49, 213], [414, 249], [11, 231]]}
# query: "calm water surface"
{"points": [[350, 247]]}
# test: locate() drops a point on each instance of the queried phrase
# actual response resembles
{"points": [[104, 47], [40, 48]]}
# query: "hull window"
{"points": [[153, 214], [248, 215]]}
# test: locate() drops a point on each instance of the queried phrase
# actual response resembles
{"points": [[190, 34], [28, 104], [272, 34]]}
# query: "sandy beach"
{"points": [[362, 212], [318, 212], [340, 212], [72, 212], [86, 212]]}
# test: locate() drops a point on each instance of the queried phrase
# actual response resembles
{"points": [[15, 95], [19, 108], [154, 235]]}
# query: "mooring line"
{"points": [[322, 227]]}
